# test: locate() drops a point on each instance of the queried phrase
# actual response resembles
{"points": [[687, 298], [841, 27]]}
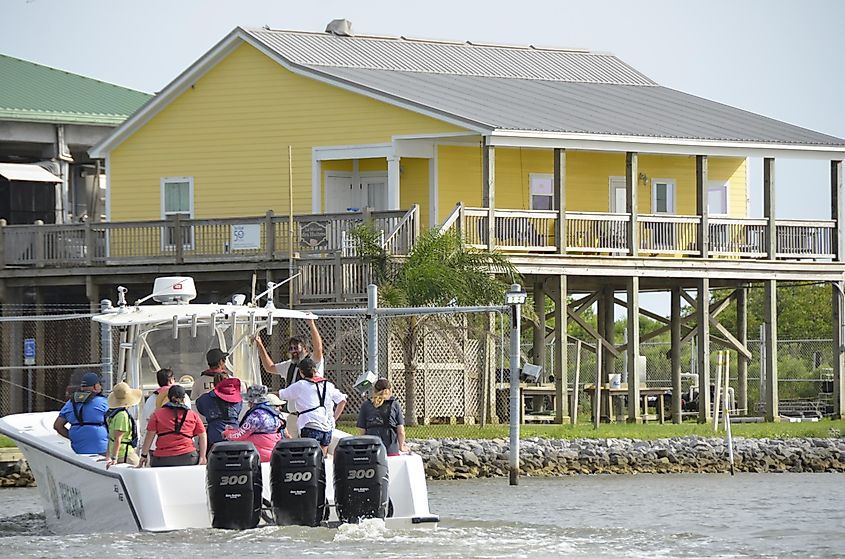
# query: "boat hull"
{"points": [[80, 494]]}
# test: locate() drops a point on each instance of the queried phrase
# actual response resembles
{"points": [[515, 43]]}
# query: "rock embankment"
{"points": [[16, 474], [463, 458]]}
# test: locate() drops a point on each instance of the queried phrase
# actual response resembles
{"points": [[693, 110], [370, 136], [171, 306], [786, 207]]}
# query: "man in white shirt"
{"points": [[298, 351], [319, 401]]}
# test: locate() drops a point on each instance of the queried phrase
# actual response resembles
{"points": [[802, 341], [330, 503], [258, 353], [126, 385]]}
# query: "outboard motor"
{"points": [[360, 478], [234, 484], [298, 482]]}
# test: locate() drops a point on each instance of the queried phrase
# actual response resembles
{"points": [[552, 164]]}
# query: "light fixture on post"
{"points": [[643, 178]]}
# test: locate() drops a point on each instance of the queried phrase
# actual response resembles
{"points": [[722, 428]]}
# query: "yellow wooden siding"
{"points": [[413, 186], [231, 131], [587, 178]]}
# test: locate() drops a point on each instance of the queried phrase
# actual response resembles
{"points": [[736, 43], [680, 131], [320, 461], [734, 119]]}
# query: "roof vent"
{"points": [[340, 27]]}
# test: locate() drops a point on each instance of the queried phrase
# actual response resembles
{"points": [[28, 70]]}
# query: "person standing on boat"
{"points": [[86, 414], [123, 431], [262, 425], [221, 407], [216, 359], [319, 402], [164, 378], [297, 351], [382, 416], [174, 426]]}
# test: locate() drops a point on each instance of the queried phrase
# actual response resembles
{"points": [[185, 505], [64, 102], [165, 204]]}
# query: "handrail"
{"points": [[409, 215], [452, 219]]}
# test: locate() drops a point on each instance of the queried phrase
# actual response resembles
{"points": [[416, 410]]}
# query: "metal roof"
{"points": [[562, 107], [35, 93], [449, 58], [526, 88]]}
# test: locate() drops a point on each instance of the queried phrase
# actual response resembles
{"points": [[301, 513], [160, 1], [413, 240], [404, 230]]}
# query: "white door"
{"points": [[374, 190], [341, 194], [617, 195]]}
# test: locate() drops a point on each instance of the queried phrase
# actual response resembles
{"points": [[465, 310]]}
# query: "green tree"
{"points": [[439, 271]]}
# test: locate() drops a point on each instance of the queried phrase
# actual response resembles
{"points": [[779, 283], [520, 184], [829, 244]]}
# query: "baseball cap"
{"points": [[89, 379], [214, 356]]}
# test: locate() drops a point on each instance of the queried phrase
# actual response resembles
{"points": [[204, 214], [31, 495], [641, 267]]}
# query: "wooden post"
{"points": [[631, 202], [701, 205], [38, 374], [560, 198], [177, 239], [561, 348], [769, 207], [838, 353], [89, 245], [836, 186], [675, 324], [39, 244], [539, 336], [634, 372], [702, 312], [488, 196], [270, 235], [771, 329], [2, 243], [573, 413], [338, 276], [742, 336]]}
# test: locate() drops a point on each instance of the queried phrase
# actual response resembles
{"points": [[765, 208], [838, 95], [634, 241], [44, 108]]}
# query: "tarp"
{"points": [[27, 172]]}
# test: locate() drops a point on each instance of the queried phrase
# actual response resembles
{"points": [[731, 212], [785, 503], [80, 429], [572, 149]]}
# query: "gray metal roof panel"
{"points": [[590, 108], [437, 57]]}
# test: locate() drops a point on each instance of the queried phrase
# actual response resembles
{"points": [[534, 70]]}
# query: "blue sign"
{"points": [[29, 351]]}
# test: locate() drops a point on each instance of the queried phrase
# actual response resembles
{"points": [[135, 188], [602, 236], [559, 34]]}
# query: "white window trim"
{"points": [[725, 187], [164, 180], [611, 193], [670, 209], [531, 177]]}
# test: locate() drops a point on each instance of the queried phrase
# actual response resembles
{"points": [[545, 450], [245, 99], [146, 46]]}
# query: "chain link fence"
{"points": [[458, 364]]}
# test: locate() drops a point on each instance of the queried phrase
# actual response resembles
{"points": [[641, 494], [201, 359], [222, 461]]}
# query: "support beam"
{"points": [[735, 344], [593, 332], [644, 312], [769, 206], [581, 304], [393, 172], [561, 364], [836, 194], [560, 198], [676, 354], [538, 347], [838, 353], [742, 335], [634, 373], [701, 205], [771, 329], [488, 194], [703, 331], [631, 181]]}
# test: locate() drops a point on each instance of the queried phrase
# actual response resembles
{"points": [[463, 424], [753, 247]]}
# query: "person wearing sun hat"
{"points": [[220, 407], [123, 430], [262, 425]]}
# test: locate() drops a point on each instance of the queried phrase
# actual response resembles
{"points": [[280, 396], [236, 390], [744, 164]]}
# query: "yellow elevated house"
{"points": [[594, 178]]}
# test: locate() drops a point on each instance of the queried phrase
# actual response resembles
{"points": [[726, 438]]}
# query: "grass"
{"points": [[822, 429], [6, 442]]}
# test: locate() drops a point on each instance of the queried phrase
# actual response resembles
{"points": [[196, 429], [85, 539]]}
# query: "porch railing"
{"points": [[663, 235], [180, 240]]}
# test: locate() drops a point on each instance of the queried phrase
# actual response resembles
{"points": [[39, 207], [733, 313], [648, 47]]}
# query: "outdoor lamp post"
{"points": [[515, 298]]}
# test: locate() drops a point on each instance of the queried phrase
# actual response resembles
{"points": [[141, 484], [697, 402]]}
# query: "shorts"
{"points": [[323, 437], [189, 459]]}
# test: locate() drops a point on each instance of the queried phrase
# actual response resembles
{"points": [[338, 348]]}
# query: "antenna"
{"points": [[271, 287]]}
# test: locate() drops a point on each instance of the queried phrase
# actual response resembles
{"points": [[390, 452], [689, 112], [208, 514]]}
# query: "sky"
{"points": [[779, 58]]}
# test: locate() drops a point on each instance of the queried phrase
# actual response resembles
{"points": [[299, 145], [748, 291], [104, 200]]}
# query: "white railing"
{"points": [[804, 239], [737, 237], [514, 230], [404, 234], [669, 234], [594, 232]]}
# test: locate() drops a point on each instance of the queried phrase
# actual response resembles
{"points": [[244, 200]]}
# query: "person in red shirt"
{"points": [[174, 427]]}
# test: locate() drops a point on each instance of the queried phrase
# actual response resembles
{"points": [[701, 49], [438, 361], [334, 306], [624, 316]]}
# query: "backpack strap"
{"points": [[178, 423], [321, 396]]}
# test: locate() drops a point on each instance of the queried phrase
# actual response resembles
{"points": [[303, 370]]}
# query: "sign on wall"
{"points": [[246, 237]]}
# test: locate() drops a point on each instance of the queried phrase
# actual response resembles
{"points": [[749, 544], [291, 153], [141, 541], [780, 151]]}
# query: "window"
{"points": [[662, 196], [717, 198], [177, 198], [542, 193]]}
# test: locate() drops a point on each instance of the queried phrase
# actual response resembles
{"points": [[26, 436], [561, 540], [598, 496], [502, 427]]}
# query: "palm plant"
{"points": [[439, 271]]}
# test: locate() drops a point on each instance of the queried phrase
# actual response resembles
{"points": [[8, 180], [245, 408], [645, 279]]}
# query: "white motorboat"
{"points": [[81, 495]]}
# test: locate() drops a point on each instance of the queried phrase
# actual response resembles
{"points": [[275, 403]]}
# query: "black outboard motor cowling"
{"points": [[234, 485], [298, 482], [360, 478]]}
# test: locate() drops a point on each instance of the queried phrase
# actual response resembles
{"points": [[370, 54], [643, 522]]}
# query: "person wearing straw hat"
{"points": [[123, 430]]}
